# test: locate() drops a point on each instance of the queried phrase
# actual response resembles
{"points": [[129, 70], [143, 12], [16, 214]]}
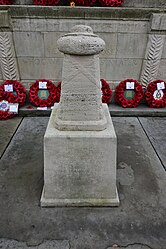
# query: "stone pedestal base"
{"points": [[80, 166]]}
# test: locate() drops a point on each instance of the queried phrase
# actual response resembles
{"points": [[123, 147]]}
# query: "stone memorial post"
{"points": [[80, 142]]}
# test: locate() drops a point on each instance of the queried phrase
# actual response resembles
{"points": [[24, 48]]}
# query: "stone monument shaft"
{"points": [[80, 107]]}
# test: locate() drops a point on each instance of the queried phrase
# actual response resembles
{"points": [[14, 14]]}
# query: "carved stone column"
{"points": [[8, 62], [154, 49]]}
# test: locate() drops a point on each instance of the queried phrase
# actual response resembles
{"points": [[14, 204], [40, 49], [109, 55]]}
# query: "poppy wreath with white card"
{"points": [[43, 93], [155, 94], [5, 99], [129, 93], [15, 90]]}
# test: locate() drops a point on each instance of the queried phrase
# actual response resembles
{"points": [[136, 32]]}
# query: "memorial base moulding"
{"points": [[80, 166]]}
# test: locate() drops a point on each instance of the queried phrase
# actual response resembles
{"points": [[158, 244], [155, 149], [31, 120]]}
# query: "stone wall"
{"points": [[135, 41]]}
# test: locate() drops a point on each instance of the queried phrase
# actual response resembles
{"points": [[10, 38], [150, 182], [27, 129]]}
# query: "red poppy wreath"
{"points": [[5, 98], [6, 2], [46, 2], [155, 94], [42, 96], [106, 92], [126, 96], [110, 3], [85, 2], [19, 93]]}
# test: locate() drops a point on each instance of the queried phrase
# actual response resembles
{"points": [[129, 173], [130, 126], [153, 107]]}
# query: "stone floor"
{"points": [[138, 223]]}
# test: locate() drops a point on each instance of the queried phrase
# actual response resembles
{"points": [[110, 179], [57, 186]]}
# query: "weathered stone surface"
{"points": [[84, 173], [133, 246], [29, 44], [110, 45], [118, 26], [42, 25], [154, 47], [131, 45], [163, 56], [4, 19], [21, 170], [8, 61], [38, 68], [7, 128], [147, 3], [52, 244], [162, 72], [119, 69], [81, 41], [37, 27], [50, 44], [151, 63], [158, 22], [54, 25], [80, 107], [78, 171], [0, 74], [155, 129]]}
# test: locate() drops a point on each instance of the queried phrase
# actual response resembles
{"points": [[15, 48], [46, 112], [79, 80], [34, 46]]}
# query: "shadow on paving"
{"points": [[138, 222]]}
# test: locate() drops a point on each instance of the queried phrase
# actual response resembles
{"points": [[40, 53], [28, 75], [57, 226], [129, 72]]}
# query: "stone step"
{"points": [[115, 110]]}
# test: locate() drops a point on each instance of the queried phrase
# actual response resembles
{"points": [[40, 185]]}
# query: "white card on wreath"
{"points": [[42, 85], [43, 108], [8, 88], [160, 86], [13, 108], [130, 85]]}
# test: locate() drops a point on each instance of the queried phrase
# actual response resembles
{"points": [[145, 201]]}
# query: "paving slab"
{"points": [[155, 129], [138, 223], [7, 129], [13, 244]]}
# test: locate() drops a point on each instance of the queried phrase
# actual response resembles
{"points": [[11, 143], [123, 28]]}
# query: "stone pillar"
{"points": [[80, 107], [154, 49], [80, 142], [8, 61]]}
